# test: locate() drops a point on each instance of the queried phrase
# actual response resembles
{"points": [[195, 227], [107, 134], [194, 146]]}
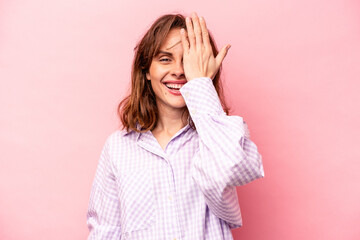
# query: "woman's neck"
{"points": [[170, 121]]}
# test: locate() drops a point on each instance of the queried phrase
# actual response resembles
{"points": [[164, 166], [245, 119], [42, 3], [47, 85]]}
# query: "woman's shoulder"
{"points": [[119, 143], [118, 136]]}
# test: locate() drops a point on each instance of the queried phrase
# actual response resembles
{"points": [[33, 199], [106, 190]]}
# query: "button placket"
{"points": [[126, 235]]}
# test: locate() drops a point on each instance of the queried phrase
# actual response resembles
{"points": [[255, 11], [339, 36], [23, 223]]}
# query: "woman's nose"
{"points": [[178, 70]]}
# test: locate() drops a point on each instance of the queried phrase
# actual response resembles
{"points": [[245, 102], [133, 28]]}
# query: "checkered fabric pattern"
{"points": [[188, 190]]}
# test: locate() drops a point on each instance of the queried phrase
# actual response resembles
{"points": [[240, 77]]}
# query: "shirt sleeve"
{"points": [[103, 215], [227, 157]]}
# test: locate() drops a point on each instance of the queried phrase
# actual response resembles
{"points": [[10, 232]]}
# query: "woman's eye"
{"points": [[165, 60]]}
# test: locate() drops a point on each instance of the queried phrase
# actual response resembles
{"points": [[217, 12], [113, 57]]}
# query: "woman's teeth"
{"points": [[173, 86]]}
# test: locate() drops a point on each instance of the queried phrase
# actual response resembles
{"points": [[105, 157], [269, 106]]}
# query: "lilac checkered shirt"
{"points": [[188, 190]]}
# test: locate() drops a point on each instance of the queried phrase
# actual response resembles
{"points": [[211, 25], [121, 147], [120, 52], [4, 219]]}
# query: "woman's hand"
{"points": [[198, 57]]}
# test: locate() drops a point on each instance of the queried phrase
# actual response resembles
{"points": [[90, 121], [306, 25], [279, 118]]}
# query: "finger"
{"points": [[221, 55], [197, 30], [190, 32], [205, 34], [184, 41]]}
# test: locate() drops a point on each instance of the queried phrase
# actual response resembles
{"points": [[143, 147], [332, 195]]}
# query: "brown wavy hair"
{"points": [[140, 106]]}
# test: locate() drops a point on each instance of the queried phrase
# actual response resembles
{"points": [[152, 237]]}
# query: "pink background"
{"points": [[292, 72]]}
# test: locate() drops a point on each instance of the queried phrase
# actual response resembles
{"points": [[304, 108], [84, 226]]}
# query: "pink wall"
{"points": [[292, 72]]}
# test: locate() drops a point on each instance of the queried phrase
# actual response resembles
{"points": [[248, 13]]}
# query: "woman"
{"points": [[171, 172]]}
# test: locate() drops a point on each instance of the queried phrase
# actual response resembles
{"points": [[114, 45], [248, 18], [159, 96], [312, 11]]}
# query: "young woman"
{"points": [[172, 172]]}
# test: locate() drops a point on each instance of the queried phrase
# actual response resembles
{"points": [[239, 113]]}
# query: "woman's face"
{"points": [[166, 73]]}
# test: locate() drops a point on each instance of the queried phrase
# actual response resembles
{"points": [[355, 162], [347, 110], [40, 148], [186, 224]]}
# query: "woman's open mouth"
{"points": [[174, 88]]}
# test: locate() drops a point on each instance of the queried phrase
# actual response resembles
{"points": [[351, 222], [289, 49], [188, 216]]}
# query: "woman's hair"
{"points": [[140, 106]]}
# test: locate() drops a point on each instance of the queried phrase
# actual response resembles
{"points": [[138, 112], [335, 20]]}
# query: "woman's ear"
{"points": [[148, 76]]}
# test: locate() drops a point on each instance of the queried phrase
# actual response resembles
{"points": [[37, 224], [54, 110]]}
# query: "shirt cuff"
{"points": [[201, 97]]}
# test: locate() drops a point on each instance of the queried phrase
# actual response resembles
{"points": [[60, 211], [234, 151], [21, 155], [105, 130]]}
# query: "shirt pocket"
{"points": [[137, 200]]}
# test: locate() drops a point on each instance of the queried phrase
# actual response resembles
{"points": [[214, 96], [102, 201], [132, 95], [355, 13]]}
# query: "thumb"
{"points": [[221, 55]]}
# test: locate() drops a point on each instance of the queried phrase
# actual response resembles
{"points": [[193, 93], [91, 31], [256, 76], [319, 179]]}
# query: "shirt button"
{"points": [[187, 94], [170, 197], [193, 111]]}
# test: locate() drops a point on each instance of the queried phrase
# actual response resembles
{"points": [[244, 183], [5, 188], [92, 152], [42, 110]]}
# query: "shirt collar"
{"points": [[138, 127]]}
